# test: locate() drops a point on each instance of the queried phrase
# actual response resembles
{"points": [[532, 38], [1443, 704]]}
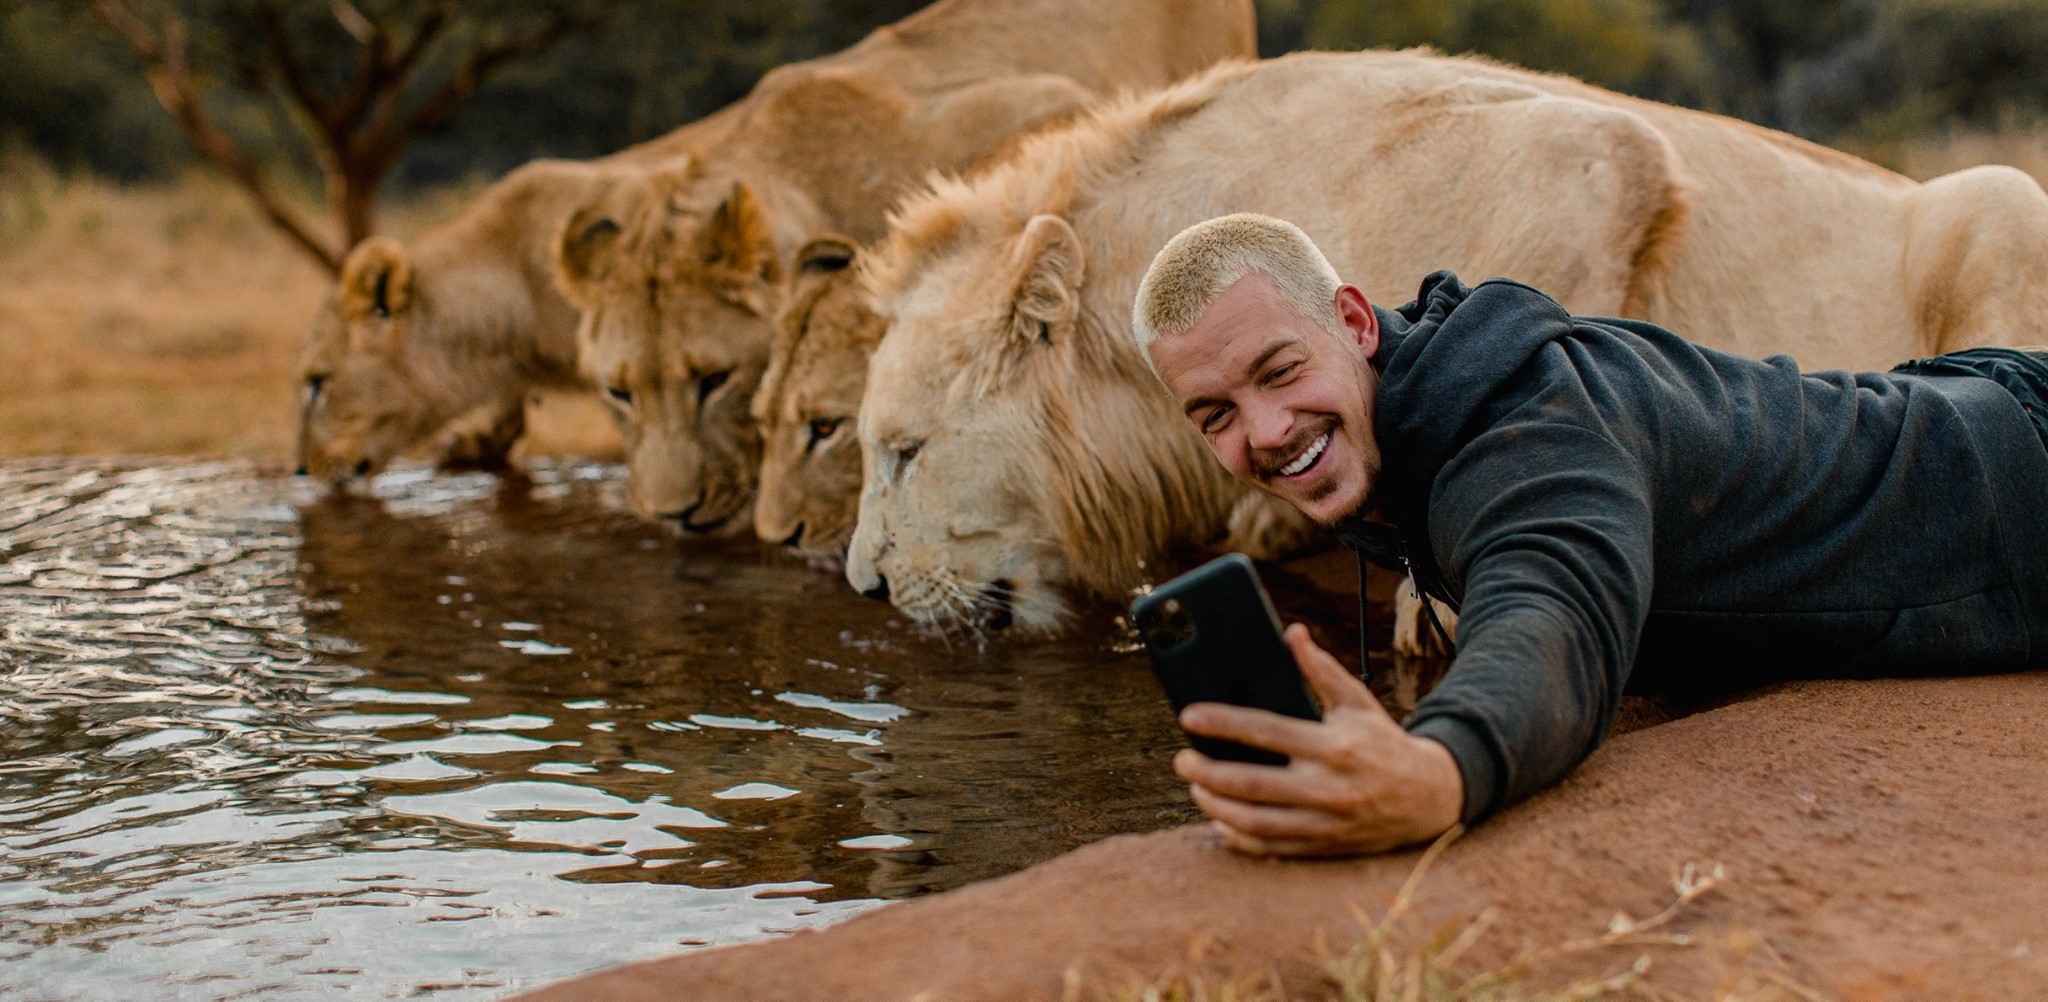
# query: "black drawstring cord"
{"points": [[1383, 544]]}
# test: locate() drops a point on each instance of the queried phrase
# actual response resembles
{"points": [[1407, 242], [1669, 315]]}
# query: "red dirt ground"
{"points": [[1881, 840]]}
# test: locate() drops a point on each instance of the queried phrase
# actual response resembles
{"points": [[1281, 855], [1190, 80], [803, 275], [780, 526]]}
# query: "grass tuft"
{"points": [[1377, 967]]}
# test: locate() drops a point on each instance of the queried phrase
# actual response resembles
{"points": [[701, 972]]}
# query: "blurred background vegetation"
{"points": [[362, 98], [128, 258], [1861, 74]]}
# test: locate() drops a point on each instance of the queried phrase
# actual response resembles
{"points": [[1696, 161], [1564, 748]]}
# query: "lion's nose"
{"points": [[881, 588]]}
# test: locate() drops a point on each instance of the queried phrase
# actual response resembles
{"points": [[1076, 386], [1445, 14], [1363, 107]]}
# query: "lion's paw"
{"points": [[1413, 636], [1265, 528], [483, 440]]}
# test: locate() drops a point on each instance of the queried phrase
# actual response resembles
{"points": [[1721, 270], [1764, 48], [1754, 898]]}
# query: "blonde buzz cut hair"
{"points": [[1203, 260]]}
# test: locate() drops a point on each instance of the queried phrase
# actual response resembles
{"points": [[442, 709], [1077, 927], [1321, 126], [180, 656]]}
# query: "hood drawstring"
{"points": [[1386, 545]]}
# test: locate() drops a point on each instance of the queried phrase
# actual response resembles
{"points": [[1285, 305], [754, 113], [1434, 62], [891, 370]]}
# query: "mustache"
{"points": [[1267, 463]]}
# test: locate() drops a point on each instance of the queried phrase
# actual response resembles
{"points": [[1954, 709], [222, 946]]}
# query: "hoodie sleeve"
{"points": [[1544, 517]]}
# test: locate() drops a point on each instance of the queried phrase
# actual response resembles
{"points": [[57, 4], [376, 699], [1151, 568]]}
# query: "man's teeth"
{"points": [[1307, 459]]}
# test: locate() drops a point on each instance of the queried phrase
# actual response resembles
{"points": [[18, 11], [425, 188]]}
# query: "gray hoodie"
{"points": [[1612, 507]]}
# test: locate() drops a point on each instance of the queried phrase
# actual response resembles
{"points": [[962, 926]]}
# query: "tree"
{"points": [[360, 80]]}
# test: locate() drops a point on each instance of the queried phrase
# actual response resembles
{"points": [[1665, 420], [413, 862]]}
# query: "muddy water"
{"points": [[465, 735]]}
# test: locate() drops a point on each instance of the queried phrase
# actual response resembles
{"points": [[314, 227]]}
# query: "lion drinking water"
{"points": [[461, 326]]}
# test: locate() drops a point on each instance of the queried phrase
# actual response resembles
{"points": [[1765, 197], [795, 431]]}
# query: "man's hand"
{"points": [[1354, 782]]}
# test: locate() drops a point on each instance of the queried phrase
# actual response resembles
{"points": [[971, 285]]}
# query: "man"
{"points": [[1604, 503]]}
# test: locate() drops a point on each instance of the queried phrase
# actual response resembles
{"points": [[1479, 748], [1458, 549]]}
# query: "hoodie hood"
{"points": [[1441, 358]]}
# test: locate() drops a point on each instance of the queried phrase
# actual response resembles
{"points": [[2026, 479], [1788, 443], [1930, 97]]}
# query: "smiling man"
{"points": [[1607, 506]]}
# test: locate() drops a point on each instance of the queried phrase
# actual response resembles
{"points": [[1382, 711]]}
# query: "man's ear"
{"points": [[585, 247], [737, 246], [376, 280], [1048, 298], [1355, 313]]}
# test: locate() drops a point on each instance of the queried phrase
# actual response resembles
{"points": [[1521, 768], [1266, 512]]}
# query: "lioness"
{"points": [[806, 406], [461, 326], [1012, 438], [681, 273]]}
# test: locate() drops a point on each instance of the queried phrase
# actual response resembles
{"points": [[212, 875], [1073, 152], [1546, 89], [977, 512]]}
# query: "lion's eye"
{"points": [[621, 394], [822, 429], [314, 384], [900, 457], [710, 384]]}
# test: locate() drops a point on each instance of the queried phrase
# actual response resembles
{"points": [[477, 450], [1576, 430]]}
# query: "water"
{"points": [[469, 735]]}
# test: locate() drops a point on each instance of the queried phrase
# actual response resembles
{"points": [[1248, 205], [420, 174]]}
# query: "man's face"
{"points": [[1285, 403]]}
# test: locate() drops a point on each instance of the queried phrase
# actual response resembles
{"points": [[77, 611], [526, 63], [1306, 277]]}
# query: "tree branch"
{"points": [[423, 38], [486, 60], [163, 55], [292, 66], [368, 84]]}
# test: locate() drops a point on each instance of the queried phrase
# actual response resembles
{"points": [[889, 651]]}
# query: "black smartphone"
{"points": [[1214, 637]]}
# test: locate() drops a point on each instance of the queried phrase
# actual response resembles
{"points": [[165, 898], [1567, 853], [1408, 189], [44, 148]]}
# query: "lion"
{"points": [[458, 328], [807, 404], [681, 273], [1016, 447]]}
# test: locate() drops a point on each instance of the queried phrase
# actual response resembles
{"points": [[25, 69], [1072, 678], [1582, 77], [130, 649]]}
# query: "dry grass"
{"points": [[1377, 968], [167, 320]]}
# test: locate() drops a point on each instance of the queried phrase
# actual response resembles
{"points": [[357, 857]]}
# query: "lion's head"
{"points": [[1014, 441], [367, 392], [1014, 444], [678, 278], [808, 401]]}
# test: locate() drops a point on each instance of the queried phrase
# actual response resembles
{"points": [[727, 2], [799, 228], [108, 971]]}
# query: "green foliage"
{"points": [[1625, 44], [72, 94]]}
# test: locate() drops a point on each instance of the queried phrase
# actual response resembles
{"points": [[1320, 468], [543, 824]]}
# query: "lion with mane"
{"points": [[681, 273], [1015, 444]]}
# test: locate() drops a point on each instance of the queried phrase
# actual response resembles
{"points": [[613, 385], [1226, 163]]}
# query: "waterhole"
{"points": [[459, 735]]}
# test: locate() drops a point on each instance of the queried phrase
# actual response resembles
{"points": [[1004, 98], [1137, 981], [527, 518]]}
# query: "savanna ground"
{"points": [[167, 319]]}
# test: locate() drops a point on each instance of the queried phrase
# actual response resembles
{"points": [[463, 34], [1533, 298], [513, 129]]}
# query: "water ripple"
{"points": [[454, 735]]}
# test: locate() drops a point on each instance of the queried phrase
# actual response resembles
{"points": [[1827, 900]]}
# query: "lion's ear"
{"points": [[1049, 292], [738, 248], [376, 279], [828, 253], [585, 247]]}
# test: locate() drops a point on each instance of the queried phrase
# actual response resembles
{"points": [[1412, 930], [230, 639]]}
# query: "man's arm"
{"points": [[1547, 519]]}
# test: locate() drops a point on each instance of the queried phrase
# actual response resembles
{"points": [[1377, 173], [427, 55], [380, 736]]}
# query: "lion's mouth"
{"points": [[1000, 611]]}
